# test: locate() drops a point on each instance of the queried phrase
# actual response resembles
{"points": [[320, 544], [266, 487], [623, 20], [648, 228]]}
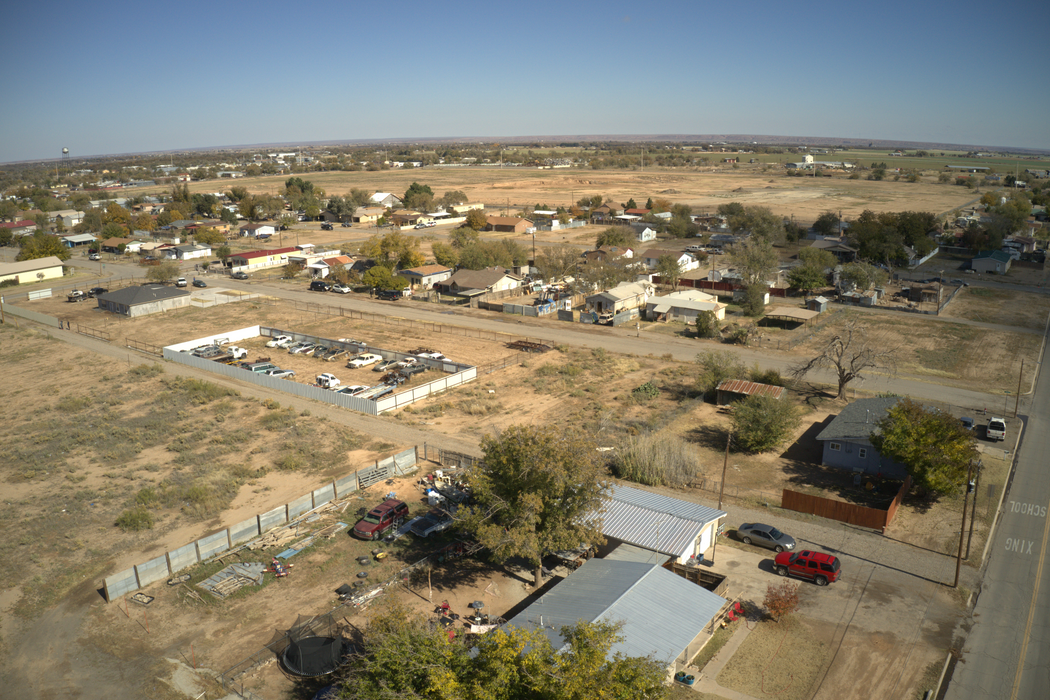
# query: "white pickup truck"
{"points": [[363, 360], [996, 429], [327, 381]]}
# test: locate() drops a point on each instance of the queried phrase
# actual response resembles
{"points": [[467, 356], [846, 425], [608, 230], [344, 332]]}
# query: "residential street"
{"points": [[1007, 653]]}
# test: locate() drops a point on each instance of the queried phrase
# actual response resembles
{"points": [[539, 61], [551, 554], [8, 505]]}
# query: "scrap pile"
{"points": [[233, 578], [528, 346]]}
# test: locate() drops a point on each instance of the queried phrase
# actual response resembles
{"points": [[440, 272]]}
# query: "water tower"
{"points": [[65, 155]]}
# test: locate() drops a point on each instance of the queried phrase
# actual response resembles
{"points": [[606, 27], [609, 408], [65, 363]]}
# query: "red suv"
{"points": [[388, 514], [818, 567]]}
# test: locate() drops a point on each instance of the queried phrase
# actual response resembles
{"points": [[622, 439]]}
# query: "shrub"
{"points": [[135, 519], [781, 599], [645, 392], [716, 366], [769, 376], [761, 423], [656, 461], [9, 283]]}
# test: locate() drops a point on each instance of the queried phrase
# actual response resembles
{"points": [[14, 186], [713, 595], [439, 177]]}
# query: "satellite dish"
{"points": [[65, 151]]}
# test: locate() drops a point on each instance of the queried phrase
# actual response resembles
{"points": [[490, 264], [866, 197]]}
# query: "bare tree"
{"points": [[849, 355]]}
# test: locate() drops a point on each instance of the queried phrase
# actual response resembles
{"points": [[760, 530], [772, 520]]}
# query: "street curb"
{"points": [[940, 680]]}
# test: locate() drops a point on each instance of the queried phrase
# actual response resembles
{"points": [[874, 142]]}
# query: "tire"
{"points": [[747, 540], [778, 549], [782, 570], [375, 535], [821, 580]]}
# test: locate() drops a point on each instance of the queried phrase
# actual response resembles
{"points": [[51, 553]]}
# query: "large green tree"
{"points": [[669, 269], [934, 447], [476, 219], [408, 658], [42, 245], [539, 489], [616, 236], [757, 263], [557, 262], [380, 277]]}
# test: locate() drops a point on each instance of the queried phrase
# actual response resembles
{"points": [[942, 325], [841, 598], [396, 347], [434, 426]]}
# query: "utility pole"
{"points": [[722, 490], [962, 532]]}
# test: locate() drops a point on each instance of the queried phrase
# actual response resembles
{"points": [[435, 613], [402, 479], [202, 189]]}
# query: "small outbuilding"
{"points": [[738, 389]]}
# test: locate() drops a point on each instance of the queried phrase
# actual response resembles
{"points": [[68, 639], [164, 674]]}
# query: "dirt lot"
{"points": [[514, 188]]}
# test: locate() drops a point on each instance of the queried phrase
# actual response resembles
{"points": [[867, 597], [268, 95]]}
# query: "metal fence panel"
{"points": [[153, 570], [244, 531], [323, 495], [300, 505], [274, 518], [405, 461], [31, 315], [211, 545], [183, 557], [120, 584], [348, 484]]}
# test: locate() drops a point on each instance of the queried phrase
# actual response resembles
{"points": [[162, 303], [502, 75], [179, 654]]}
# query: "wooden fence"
{"points": [[872, 518]]}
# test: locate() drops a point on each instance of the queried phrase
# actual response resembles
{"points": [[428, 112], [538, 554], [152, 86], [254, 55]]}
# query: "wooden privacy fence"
{"points": [[873, 518]]}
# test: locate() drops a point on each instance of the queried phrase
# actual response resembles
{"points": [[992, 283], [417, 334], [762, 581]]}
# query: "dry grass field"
{"points": [[514, 188]]}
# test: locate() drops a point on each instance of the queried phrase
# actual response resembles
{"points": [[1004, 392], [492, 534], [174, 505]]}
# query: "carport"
{"points": [[788, 314]]}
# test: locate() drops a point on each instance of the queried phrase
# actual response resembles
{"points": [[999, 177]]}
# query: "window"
{"points": [[836, 446], [862, 452]]}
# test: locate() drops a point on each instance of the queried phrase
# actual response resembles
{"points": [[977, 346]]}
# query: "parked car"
{"points": [[301, 347], [346, 224], [280, 373], [432, 522], [363, 360], [387, 515], [340, 288], [279, 341], [319, 286], [327, 381], [765, 536], [353, 389], [326, 226], [432, 356], [388, 294], [259, 367], [180, 282], [996, 429], [94, 256], [76, 295], [817, 567], [95, 291], [236, 353], [239, 275], [385, 365], [409, 370], [199, 283], [967, 423], [420, 225]]}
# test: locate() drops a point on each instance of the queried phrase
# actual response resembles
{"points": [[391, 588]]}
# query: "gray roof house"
{"points": [[470, 282], [670, 526], [847, 443], [143, 300], [626, 295], [664, 615]]}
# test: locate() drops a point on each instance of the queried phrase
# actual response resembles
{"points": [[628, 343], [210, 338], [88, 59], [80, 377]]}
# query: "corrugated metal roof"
{"points": [[741, 386], [630, 552], [652, 521], [660, 611]]}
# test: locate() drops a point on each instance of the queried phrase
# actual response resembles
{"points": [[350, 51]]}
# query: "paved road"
{"points": [[1007, 653]]}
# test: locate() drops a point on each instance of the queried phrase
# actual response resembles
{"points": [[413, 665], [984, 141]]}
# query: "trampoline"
{"points": [[313, 647], [314, 656]]}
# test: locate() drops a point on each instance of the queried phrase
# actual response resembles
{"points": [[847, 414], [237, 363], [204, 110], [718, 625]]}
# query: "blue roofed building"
{"points": [[847, 439]]}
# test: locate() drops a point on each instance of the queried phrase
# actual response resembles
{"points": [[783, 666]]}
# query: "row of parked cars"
{"points": [[818, 567], [340, 288]]}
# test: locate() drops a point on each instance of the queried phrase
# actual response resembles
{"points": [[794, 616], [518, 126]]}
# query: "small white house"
{"points": [[645, 235]]}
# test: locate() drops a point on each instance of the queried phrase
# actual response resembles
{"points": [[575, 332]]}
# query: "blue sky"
{"points": [[122, 77]]}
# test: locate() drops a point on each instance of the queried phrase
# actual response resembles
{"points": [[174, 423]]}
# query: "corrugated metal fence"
{"points": [[169, 563]]}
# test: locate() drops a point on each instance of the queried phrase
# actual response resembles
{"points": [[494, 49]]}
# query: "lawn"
{"points": [[777, 660]]}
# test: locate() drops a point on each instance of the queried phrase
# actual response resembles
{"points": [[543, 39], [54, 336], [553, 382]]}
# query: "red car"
{"points": [[818, 567], [388, 514]]}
